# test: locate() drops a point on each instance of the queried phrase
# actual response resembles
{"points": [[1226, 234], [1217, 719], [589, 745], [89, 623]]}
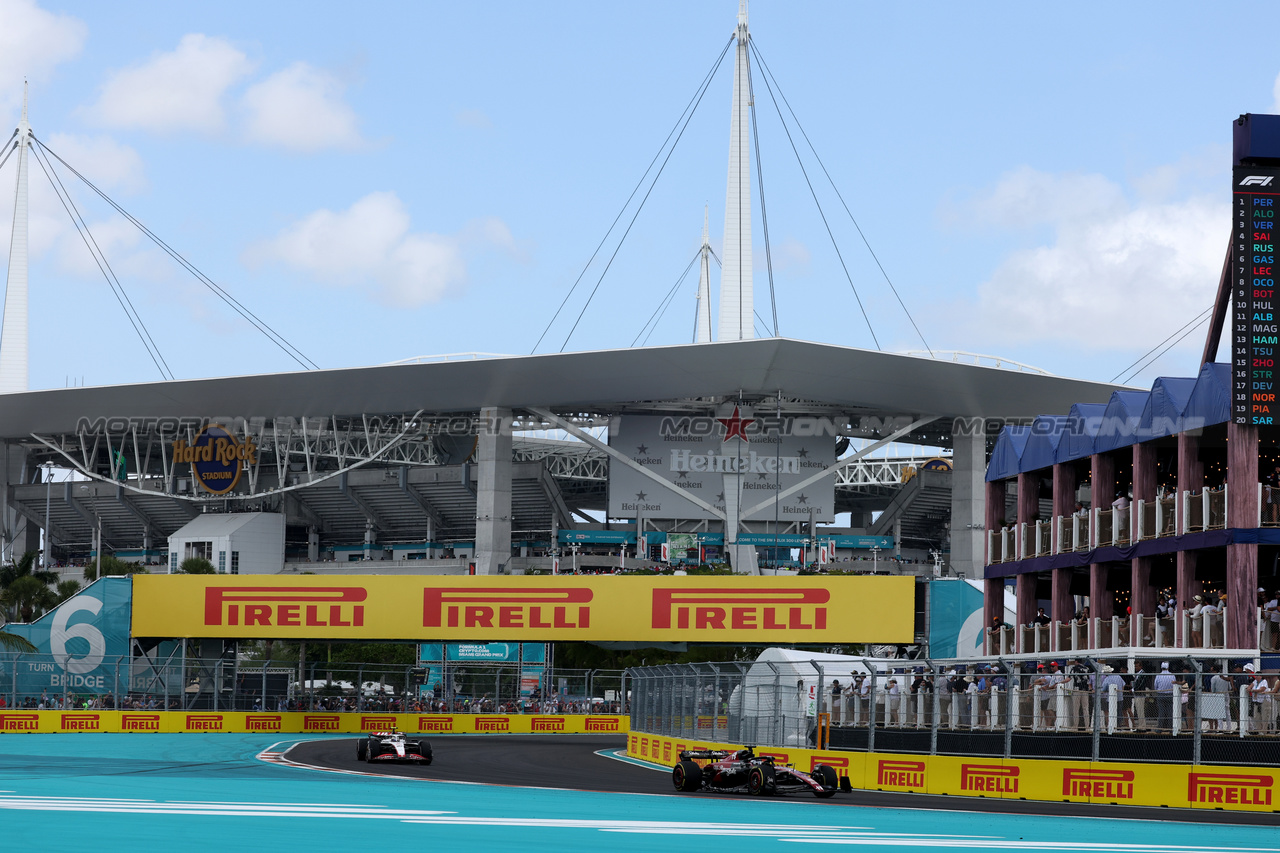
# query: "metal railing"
{"points": [[1167, 515], [1190, 710]]}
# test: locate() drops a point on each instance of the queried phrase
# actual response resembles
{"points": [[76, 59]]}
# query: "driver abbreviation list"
{"points": [[1256, 334]]}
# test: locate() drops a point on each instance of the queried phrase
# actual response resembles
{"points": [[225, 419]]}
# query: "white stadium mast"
{"points": [[737, 302], [702, 335], [13, 334]]}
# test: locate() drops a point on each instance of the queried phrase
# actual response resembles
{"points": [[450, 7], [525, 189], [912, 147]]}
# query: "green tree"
{"points": [[111, 566], [24, 567], [67, 589], [29, 596], [196, 566], [13, 643]]}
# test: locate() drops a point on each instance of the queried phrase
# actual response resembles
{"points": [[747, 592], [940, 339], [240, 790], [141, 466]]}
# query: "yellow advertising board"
{"points": [[811, 609], [1102, 782], [305, 722]]}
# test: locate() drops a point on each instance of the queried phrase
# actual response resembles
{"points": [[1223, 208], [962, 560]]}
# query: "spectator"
{"points": [[1164, 697]]}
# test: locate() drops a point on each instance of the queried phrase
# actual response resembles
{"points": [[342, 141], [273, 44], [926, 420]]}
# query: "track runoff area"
{"points": [[118, 791]]}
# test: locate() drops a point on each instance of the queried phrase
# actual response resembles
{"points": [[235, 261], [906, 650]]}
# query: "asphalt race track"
{"points": [[572, 762]]}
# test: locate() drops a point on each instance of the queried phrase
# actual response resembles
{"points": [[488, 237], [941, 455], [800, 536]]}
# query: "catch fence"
{"points": [[1195, 711], [175, 681]]}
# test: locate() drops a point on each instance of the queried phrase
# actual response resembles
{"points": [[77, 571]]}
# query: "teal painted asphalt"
{"points": [[106, 792]]}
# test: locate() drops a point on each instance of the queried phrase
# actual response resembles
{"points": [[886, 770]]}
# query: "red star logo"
{"points": [[736, 426]]}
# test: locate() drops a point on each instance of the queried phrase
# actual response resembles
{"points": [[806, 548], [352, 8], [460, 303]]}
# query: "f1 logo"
{"points": [[1257, 181]]}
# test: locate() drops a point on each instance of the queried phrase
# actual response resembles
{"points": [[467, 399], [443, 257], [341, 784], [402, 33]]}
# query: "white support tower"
{"points": [[702, 332], [737, 302], [13, 334]]}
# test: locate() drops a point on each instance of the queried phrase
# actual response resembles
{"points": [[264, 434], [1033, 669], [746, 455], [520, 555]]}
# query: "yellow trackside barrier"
{"points": [[1104, 782], [305, 722]]}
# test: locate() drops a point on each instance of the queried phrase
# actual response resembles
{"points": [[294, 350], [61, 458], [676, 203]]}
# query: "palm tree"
{"points": [[29, 596], [112, 566], [14, 643], [67, 589], [25, 567], [196, 566]]}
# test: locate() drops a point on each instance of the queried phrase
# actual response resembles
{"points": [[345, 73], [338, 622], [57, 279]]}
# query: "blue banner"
{"points": [[79, 644], [955, 618], [481, 652]]}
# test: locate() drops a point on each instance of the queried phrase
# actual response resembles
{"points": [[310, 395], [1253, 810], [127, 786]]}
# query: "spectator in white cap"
{"points": [[1164, 697]]}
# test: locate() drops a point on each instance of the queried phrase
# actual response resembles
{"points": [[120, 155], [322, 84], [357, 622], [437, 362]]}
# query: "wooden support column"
{"points": [[1142, 597], [993, 589], [1190, 477], [1101, 601], [1064, 501], [1028, 508], [1242, 559], [1026, 598]]}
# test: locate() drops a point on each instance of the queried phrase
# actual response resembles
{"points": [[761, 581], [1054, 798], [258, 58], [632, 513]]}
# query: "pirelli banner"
{"points": [[1104, 782], [814, 609], [304, 722]]}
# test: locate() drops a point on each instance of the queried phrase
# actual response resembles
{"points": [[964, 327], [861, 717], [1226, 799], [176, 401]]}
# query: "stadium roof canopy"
{"points": [[855, 380]]}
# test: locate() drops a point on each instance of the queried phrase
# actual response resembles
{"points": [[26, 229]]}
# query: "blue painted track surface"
{"points": [[186, 792]]}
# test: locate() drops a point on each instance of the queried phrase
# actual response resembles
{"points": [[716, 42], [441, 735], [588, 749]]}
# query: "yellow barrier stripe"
{"points": [[1104, 782], [305, 722]]}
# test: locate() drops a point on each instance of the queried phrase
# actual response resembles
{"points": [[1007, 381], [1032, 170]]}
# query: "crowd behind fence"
{"points": [[35, 681], [1159, 709]]}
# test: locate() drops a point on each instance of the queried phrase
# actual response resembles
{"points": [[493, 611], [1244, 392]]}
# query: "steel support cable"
{"points": [[117, 289], [1185, 330], [670, 298], [764, 214], [12, 146], [666, 300], [843, 203], [235, 305], [818, 204], [640, 207], [627, 203], [1160, 354]]}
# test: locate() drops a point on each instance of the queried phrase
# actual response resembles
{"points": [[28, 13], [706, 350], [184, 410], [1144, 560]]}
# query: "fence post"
{"points": [[1011, 702], [937, 709], [1097, 708], [1195, 732], [871, 714], [817, 708]]}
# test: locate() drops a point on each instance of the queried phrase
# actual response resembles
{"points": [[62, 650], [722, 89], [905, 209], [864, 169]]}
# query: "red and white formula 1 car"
{"points": [[392, 746], [726, 771]]}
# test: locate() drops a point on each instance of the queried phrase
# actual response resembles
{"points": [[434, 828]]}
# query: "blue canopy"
{"points": [[1163, 413], [1042, 446], [1119, 427], [1210, 401], [1080, 432], [1006, 456]]}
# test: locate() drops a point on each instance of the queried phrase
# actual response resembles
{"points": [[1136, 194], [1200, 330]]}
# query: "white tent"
{"points": [[778, 699]]}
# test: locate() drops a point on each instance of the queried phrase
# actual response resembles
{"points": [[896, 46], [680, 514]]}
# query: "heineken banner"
{"points": [[694, 453], [79, 644]]}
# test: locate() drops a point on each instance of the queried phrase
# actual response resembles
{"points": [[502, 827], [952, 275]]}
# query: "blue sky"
{"points": [[1042, 182]]}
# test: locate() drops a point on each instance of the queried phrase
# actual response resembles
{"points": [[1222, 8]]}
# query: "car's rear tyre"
{"points": [[761, 781], [686, 776], [362, 749], [826, 777]]}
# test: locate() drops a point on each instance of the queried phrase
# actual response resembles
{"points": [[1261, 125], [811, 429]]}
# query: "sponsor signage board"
{"points": [[695, 452], [1102, 783], [761, 610], [79, 644], [492, 652]]}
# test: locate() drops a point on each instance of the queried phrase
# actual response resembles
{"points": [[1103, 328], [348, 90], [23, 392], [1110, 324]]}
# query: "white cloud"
{"points": [[301, 108], [1115, 273], [184, 89], [100, 159], [791, 255], [474, 119], [370, 246], [32, 43]]}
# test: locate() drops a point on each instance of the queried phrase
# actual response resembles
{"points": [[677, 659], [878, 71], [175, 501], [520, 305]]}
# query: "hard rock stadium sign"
{"points": [[598, 608]]}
